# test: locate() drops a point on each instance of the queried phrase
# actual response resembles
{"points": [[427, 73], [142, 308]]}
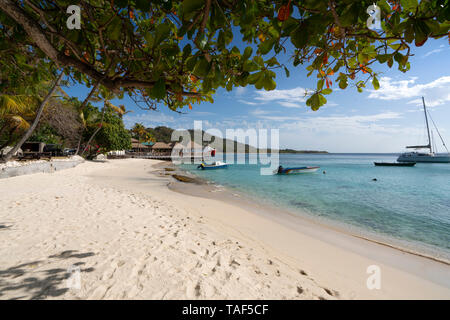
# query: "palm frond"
{"points": [[20, 123]]}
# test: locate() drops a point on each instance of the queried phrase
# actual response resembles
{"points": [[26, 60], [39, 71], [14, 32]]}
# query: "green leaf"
{"points": [[390, 62], [162, 32], [272, 61], [190, 6], [259, 61], [159, 89], [433, 26], [327, 91], [247, 53], [269, 83], [250, 66], [375, 83], [382, 58], [260, 83], [287, 72], [202, 41], [409, 33], [191, 62], [320, 84], [114, 29], [421, 31], [254, 77], [187, 52], [343, 83], [409, 5], [299, 37], [350, 15], [143, 5], [322, 101], [266, 46], [202, 68], [316, 101], [384, 6]]}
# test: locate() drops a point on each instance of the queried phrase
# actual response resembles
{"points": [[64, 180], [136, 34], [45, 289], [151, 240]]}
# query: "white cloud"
{"points": [[330, 104], [148, 119], [429, 53], [240, 91], [333, 121], [202, 113], [288, 104], [433, 102], [289, 98], [248, 102], [259, 112], [378, 132], [435, 92]]}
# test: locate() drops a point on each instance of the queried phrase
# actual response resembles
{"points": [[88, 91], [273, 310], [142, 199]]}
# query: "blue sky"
{"points": [[385, 120]]}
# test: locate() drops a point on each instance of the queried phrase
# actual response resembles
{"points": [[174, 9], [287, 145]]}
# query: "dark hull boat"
{"points": [[298, 170], [395, 164]]}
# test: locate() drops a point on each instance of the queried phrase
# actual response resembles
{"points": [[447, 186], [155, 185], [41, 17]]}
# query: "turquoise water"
{"points": [[407, 204]]}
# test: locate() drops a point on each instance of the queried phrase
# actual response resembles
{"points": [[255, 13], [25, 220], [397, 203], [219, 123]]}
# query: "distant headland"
{"points": [[300, 151]]}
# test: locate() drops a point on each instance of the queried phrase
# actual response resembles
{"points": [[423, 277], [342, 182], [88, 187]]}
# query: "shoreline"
{"points": [[135, 238], [206, 189], [338, 235]]}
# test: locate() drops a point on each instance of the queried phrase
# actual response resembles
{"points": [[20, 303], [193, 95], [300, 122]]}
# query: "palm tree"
{"points": [[15, 112], [138, 130], [120, 110], [39, 111]]}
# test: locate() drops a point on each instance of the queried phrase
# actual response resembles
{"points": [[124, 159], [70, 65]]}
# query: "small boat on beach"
{"points": [[215, 165], [395, 164], [296, 170]]}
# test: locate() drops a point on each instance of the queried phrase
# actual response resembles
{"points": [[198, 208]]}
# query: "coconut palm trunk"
{"points": [[36, 120], [96, 131], [85, 102]]}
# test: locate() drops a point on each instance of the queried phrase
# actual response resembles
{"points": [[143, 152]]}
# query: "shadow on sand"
{"points": [[25, 282]]}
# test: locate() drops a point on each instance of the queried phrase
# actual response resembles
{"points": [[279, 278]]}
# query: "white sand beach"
{"points": [[132, 237]]}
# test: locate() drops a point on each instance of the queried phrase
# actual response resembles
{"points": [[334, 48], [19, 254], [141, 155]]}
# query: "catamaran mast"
{"points": [[428, 128]]}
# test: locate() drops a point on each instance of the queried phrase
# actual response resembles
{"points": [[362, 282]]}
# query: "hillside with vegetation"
{"points": [[164, 134]]}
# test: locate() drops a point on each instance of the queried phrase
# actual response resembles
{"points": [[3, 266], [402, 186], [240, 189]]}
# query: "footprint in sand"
{"points": [[193, 289]]}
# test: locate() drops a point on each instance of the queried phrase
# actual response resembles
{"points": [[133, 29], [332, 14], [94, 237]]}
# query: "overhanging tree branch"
{"points": [[38, 36]]}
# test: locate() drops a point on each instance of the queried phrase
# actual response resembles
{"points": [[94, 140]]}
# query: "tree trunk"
{"points": [[79, 142], [36, 120], [81, 107], [96, 131]]}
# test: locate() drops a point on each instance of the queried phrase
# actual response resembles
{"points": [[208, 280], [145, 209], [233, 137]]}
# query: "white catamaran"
{"points": [[430, 156]]}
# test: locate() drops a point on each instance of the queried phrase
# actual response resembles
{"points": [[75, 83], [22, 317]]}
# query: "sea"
{"points": [[408, 207]]}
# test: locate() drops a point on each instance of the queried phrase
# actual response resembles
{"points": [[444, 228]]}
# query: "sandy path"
{"points": [[128, 245]]}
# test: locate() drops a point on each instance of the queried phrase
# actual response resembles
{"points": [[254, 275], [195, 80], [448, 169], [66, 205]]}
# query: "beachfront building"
{"points": [[162, 149], [140, 148]]}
